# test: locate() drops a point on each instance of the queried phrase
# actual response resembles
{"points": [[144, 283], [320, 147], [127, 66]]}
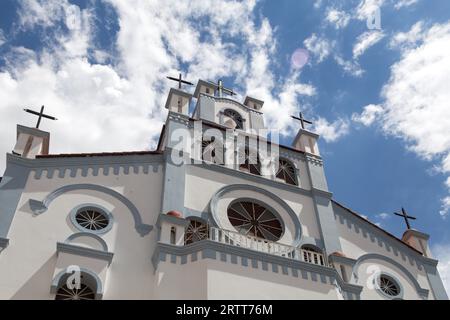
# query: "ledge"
{"points": [[171, 219], [84, 252], [209, 249], [80, 160], [254, 178], [322, 193], [342, 260]]}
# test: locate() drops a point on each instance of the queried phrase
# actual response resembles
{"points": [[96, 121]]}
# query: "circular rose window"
{"points": [[253, 219]]}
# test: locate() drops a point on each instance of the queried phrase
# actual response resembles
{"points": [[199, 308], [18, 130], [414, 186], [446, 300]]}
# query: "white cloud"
{"points": [[445, 207], [367, 8], [408, 39], [383, 216], [369, 115], [365, 41], [320, 47], [442, 253], [404, 3], [119, 106], [333, 131], [2, 38], [416, 98], [317, 3], [350, 67], [339, 19]]}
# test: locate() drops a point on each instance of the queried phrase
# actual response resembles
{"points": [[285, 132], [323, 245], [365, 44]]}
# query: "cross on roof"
{"points": [[180, 81], [40, 115], [302, 120], [222, 89], [405, 216]]}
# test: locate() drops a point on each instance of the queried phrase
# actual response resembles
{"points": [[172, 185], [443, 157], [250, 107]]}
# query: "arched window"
{"points": [[253, 219], [72, 288], [173, 235], [312, 254], [233, 119], [286, 172], [196, 231], [212, 152], [249, 162]]}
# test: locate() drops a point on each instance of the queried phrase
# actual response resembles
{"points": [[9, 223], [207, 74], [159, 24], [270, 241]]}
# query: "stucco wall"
{"points": [[30, 259]]}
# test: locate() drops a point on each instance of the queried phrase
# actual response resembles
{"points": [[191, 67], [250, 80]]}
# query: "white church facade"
{"points": [[233, 217]]}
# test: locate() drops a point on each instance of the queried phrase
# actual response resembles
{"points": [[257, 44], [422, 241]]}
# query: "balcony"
{"points": [[265, 246]]}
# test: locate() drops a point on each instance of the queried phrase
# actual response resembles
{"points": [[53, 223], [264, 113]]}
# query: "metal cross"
{"points": [[405, 216], [222, 89], [302, 120], [40, 115], [180, 81]]}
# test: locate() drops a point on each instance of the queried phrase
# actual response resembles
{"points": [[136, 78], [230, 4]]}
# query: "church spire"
{"points": [[32, 142], [306, 140]]}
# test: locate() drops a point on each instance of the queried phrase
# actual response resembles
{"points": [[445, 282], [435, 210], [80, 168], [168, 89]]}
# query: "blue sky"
{"points": [[378, 96]]}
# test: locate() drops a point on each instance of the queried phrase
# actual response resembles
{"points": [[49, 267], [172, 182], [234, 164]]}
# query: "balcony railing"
{"points": [[266, 246]]}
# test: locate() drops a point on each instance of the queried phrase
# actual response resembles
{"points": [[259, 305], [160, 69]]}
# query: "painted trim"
{"points": [[219, 194], [40, 207], [371, 232], [90, 206], [223, 99], [99, 287], [3, 243], [435, 282], [421, 291], [110, 161], [254, 178], [212, 248], [89, 235], [11, 189], [84, 252]]}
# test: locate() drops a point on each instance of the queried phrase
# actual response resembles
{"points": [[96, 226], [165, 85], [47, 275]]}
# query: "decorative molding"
{"points": [[219, 194], [89, 235], [214, 250], [228, 100], [313, 159], [84, 252], [391, 245], [421, 291], [179, 118], [40, 207], [255, 178], [98, 283], [64, 167]]}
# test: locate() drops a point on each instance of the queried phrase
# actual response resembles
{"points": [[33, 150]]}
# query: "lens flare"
{"points": [[299, 58]]}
